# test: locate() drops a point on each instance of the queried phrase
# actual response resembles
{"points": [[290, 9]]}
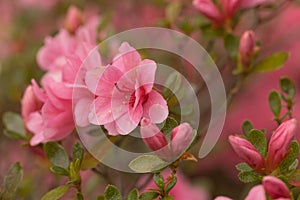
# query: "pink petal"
{"points": [[81, 112], [181, 137], [257, 192], [156, 107]]}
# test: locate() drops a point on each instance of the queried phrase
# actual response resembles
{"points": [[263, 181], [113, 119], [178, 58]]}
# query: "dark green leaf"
{"points": [[59, 171], [14, 126], [11, 182], [247, 127], [147, 163], [271, 63], [275, 103], [112, 193], [173, 11], [79, 196], [292, 156], [56, 193], [243, 167], [159, 180], [288, 87], [57, 155], [171, 184], [231, 44], [100, 198], [169, 125], [133, 195], [259, 141], [78, 152], [149, 196], [249, 177]]}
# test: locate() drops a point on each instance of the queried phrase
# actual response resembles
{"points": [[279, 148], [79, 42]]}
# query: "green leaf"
{"points": [[59, 171], [79, 196], [172, 84], [149, 196], [133, 195], [231, 44], [14, 126], [247, 127], [275, 103], [271, 63], [173, 11], [159, 180], [147, 163], [259, 141], [88, 162], [112, 193], [288, 87], [291, 157], [243, 167], [100, 197], [169, 125], [171, 184], [56, 193], [56, 155], [168, 198], [248, 176], [11, 182], [78, 152]]}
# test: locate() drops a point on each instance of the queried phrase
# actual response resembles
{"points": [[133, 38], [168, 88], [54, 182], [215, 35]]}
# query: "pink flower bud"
{"points": [[247, 47], [256, 193], [208, 9], [73, 19], [181, 137], [276, 188], [279, 143], [247, 152], [152, 136], [230, 7]]}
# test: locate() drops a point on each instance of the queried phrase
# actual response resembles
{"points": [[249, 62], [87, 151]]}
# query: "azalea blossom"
{"points": [[124, 93]]}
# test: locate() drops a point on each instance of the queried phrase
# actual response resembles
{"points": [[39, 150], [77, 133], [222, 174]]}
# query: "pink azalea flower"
{"points": [[124, 93], [276, 188]]}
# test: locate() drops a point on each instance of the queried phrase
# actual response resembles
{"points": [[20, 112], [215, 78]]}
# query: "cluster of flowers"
{"points": [[116, 96]]}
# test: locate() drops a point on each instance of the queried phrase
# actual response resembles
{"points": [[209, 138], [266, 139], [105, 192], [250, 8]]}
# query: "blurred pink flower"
{"points": [[124, 93], [276, 188], [247, 47], [223, 198], [247, 152], [74, 19], [181, 137], [279, 143], [227, 10], [257, 192]]}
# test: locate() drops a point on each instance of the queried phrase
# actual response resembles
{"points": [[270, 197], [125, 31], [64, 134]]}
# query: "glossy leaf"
{"points": [[56, 155], [112, 193], [271, 63], [288, 87], [247, 127], [275, 103]]}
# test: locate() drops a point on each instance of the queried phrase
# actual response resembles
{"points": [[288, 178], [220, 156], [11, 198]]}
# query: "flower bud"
{"points": [[181, 137], [279, 143], [276, 188], [247, 152], [73, 19], [209, 10], [152, 136], [247, 48]]}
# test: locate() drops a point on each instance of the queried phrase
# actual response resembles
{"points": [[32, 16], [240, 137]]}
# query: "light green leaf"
{"points": [[249, 176], [173, 11], [11, 182], [59, 171], [133, 195], [291, 157], [148, 196], [247, 127], [112, 193], [56, 193], [56, 155], [159, 180], [259, 141], [275, 103], [171, 184], [14, 126], [271, 63], [147, 163], [243, 167], [288, 87]]}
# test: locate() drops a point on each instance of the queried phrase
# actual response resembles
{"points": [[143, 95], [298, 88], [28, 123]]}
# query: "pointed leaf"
{"points": [[56, 155], [112, 193], [249, 177], [159, 180], [147, 163], [243, 167], [148, 196], [14, 126], [275, 103], [247, 127], [56, 193], [133, 195], [271, 63], [288, 87], [291, 157], [259, 141]]}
